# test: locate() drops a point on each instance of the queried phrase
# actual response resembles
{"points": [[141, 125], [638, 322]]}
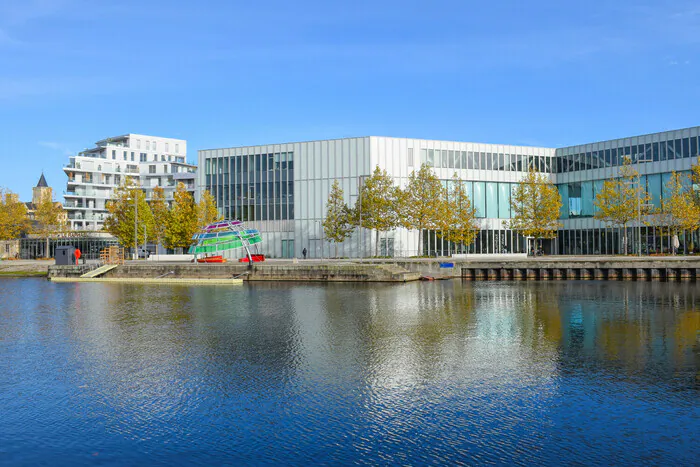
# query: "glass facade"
{"points": [[472, 160], [576, 159], [252, 187], [90, 247]]}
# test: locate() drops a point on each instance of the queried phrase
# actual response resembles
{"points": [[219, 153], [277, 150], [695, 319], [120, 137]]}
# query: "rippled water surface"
{"points": [[444, 372]]}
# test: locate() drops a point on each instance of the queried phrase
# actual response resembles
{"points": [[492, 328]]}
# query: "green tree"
{"points": [[617, 202], [206, 210], [337, 224], [50, 218], [535, 204], [423, 203], [128, 204], [459, 224], [377, 204], [13, 216], [182, 222], [161, 213], [678, 211]]}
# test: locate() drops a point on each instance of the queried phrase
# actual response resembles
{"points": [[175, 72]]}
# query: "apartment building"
{"points": [[95, 173]]}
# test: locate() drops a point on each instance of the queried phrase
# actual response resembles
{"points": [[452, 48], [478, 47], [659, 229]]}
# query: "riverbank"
{"points": [[406, 270], [24, 268]]}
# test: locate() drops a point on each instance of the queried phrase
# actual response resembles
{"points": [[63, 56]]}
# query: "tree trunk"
{"points": [[420, 242], [46, 253], [376, 245]]}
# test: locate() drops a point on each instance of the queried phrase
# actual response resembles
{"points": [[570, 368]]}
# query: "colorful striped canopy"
{"points": [[224, 236]]}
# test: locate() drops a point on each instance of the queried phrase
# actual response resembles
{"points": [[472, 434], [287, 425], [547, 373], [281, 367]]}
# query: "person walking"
{"points": [[303, 252]]}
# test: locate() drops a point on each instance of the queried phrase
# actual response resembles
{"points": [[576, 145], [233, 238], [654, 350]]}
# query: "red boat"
{"points": [[212, 259], [256, 259]]}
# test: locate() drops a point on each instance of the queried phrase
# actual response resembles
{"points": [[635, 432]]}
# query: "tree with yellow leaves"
{"points": [[50, 218], [377, 204], [423, 203], [535, 203], [13, 216], [206, 210], [619, 200], [458, 223], [336, 225], [182, 222], [161, 213], [678, 211], [128, 214]]}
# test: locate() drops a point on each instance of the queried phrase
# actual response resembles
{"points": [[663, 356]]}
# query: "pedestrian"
{"points": [[303, 252]]}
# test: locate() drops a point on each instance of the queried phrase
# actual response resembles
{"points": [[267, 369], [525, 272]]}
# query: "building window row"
{"points": [[578, 197], [470, 160], [680, 148]]}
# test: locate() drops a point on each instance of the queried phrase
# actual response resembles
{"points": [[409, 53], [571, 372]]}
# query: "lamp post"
{"points": [[136, 223], [362, 231], [639, 206]]}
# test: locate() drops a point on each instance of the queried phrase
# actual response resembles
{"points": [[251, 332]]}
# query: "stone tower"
{"points": [[40, 190]]}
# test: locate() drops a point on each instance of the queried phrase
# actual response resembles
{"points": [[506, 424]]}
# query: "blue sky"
{"points": [[228, 73]]}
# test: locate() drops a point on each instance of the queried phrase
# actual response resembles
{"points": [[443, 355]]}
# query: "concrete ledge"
{"points": [[171, 258], [160, 281]]}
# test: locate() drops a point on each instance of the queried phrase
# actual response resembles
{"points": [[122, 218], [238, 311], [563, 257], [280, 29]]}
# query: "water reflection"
{"points": [[338, 373]]}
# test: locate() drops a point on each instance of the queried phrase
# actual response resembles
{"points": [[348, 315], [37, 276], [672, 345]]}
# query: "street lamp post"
{"points": [[362, 231], [639, 206], [136, 223]]}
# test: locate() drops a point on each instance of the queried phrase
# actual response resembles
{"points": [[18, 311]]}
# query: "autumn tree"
{"points": [[423, 203], [535, 204], [13, 216], [206, 210], [129, 211], [182, 222], [678, 208], [337, 224], [619, 199], [377, 204], [50, 218], [458, 223], [161, 213]]}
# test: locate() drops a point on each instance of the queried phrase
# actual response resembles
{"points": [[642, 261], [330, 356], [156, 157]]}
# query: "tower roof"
{"points": [[42, 182]]}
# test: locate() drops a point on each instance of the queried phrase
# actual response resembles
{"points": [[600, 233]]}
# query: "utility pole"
{"points": [[136, 223], [362, 232]]}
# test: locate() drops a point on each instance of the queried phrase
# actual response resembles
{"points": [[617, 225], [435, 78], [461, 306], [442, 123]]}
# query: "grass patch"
{"points": [[23, 273]]}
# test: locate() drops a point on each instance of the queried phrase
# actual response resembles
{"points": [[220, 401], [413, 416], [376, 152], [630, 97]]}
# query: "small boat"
{"points": [[212, 259], [256, 259]]}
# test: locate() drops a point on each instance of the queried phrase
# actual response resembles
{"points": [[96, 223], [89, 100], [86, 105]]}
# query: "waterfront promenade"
{"points": [[399, 269]]}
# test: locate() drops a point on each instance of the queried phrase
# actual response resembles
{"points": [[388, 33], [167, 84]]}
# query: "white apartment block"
{"points": [[94, 174]]}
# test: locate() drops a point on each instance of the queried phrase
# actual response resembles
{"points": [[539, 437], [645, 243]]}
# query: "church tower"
{"points": [[40, 190]]}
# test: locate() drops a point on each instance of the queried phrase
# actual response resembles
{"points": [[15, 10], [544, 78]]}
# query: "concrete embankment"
{"points": [[475, 269], [24, 268], [327, 272], [685, 268]]}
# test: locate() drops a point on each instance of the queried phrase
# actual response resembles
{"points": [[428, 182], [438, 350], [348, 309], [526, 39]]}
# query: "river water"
{"points": [[443, 373]]}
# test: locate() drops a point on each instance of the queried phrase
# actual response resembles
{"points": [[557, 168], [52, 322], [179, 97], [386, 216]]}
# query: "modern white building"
{"points": [[94, 174], [282, 189]]}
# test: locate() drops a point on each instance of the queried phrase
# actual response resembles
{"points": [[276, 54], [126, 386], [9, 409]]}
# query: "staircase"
{"points": [[99, 271]]}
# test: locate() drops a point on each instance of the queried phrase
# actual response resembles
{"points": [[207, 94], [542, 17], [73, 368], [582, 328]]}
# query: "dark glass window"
{"points": [[655, 152], [670, 152], [559, 165], [686, 148], [574, 200], [608, 161], [470, 160], [483, 161], [693, 147]]}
